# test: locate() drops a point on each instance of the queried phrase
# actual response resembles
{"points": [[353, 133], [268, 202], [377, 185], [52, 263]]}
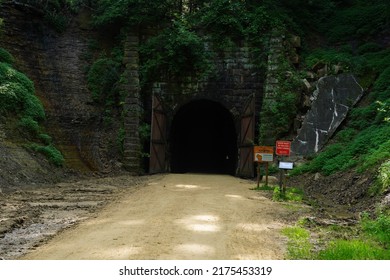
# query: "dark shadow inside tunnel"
{"points": [[203, 139]]}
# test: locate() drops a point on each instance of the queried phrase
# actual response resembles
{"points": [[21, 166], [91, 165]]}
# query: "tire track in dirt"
{"points": [[179, 216]]}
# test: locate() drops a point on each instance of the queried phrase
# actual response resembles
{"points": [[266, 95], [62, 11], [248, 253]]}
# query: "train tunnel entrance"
{"points": [[203, 139]]}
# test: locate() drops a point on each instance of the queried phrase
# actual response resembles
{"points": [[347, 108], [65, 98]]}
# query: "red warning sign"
{"points": [[283, 148]]}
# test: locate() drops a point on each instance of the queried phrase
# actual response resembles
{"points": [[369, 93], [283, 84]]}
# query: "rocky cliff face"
{"points": [[332, 100], [54, 61]]}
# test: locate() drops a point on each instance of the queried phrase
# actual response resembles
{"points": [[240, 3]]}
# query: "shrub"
{"points": [[291, 194], [329, 56], [102, 76], [53, 155], [17, 97], [368, 48], [46, 139], [378, 228], [175, 52], [28, 124], [384, 175], [376, 156], [17, 94], [6, 57]]}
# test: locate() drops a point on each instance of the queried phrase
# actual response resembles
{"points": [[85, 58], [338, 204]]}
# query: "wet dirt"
{"points": [[33, 214], [173, 216]]}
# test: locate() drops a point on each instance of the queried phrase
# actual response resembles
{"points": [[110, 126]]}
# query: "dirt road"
{"points": [[178, 216]]}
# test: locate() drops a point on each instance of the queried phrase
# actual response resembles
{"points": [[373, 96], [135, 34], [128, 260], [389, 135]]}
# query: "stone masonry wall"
{"points": [[237, 79], [54, 61]]}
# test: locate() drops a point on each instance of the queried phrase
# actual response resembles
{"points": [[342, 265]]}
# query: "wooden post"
{"points": [[266, 173], [281, 178], [258, 175], [284, 181]]}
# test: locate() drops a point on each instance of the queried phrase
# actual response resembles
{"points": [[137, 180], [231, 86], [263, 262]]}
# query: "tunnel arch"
{"points": [[203, 139]]}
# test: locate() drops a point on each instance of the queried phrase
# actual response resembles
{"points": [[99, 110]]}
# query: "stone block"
{"points": [[335, 96]]}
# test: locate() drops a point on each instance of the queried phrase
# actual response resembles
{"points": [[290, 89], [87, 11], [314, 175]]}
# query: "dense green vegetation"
{"points": [[18, 99], [55, 12], [354, 41]]}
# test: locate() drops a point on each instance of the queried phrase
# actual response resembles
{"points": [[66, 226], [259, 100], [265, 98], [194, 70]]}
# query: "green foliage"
{"points": [[132, 12], [102, 78], [364, 143], [280, 111], [104, 82], [144, 132], [353, 250], [378, 228], [370, 241], [384, 175], [120, 139], [29, 125], [291, 194], [56, 12], [298, 246], [46, 139], [357, 20], [372, 244], [375, 156], [294, 194], [56, 20], [330, 56], [175, 52], [367, 149], [278, 195], [17, 94], [264, 188], [6, 57], [369, 47], [382, 82], [223, 19], [382, 184], [346, 135], [53, 155], [17, 97]]}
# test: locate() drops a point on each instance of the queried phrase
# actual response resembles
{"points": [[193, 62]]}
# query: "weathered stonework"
{"points": [[132, 106], [236, 79], [54, 61]]}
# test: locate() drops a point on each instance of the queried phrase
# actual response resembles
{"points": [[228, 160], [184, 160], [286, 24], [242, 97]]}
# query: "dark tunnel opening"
{"points": [[203, 139]]}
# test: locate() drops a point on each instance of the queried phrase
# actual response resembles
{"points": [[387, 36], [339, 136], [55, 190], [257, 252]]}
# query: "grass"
{"points": [[367, 149], [298, 246], [353, 250], [370, 241], [291, 194]]}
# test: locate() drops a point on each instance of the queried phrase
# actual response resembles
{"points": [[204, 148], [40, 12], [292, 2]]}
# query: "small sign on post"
{"points": [[283, 148], [286, 165], [263, 154]]}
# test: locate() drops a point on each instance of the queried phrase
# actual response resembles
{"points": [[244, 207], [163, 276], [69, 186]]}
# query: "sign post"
{"points": [[263, 154], [283, 149]]}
